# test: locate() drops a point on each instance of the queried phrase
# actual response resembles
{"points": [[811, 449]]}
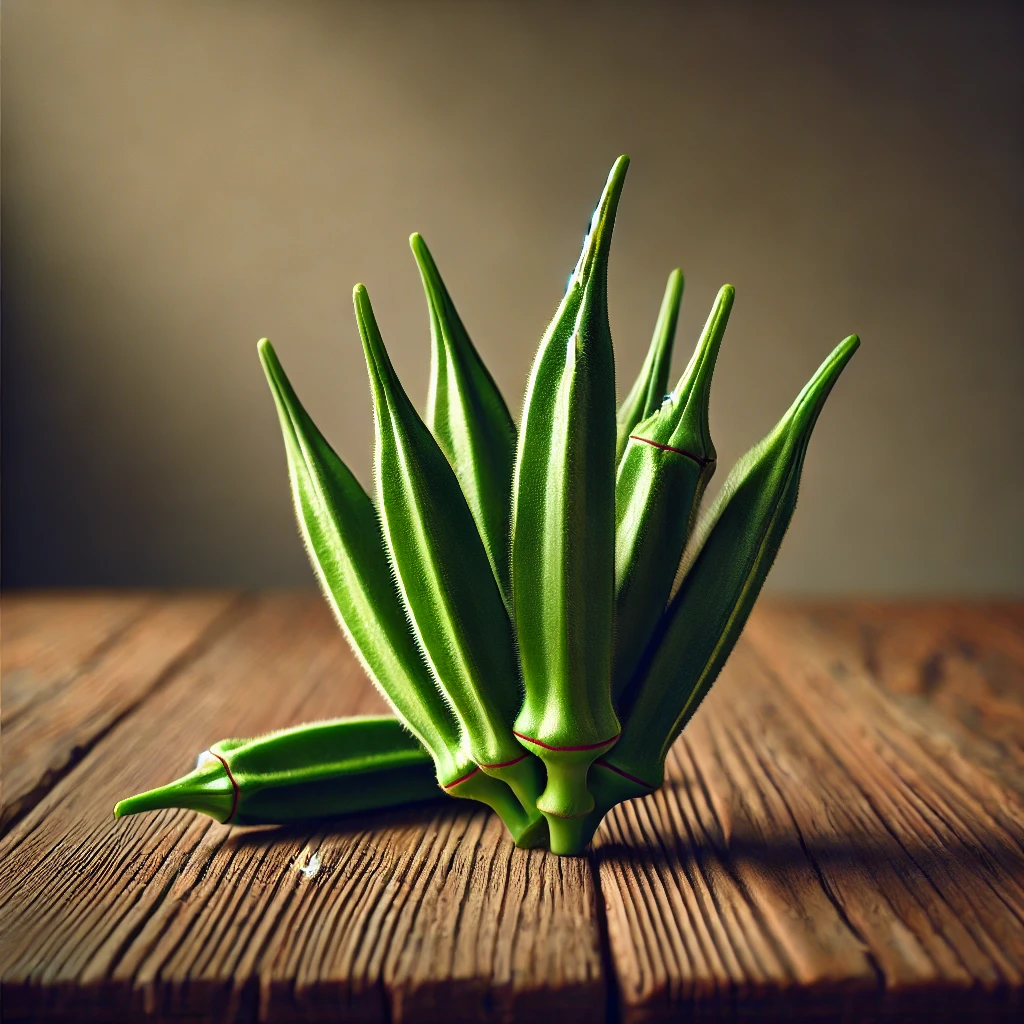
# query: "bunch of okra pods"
{"points": [[545, 608]]}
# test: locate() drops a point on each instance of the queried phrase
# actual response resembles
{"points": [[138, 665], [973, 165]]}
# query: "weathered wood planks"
{"points": [[848, 859], [423, 913], [841, 836]]}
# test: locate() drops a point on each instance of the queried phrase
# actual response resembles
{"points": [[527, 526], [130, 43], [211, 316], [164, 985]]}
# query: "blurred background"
{"points": [[182, 178]]}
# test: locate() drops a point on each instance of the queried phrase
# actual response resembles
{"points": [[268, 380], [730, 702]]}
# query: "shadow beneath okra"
{"points": [[400, 818], [989, 852]]}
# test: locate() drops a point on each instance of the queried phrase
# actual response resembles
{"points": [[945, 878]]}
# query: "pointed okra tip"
{"points": [[377, 362], [659, 359], [696, 378], [433, 285], [208, 790], [424, 258], [803, 413], [691, 396], [293, 417], [271, 365], [668, 315], [594, 257], [361, 301]]}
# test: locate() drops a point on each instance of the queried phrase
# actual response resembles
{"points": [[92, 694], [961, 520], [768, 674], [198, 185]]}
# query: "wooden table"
{"points": [[841, 837]]}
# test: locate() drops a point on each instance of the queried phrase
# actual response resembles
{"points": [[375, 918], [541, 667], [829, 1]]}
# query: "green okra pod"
{"points": [[725, 565], [667, 463], [469, 419], [563, 536], [444, 576], [648, 390], [311, 771]]}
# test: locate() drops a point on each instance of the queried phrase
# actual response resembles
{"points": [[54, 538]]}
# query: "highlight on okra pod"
{"points": [[543, 606]]}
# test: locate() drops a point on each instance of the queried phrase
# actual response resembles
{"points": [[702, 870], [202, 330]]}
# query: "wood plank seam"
{"points": [[612, 1014]]}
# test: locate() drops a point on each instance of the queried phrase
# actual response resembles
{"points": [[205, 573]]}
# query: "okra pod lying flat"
{"points": [[319, 771], [311, 771], [563, 535]]}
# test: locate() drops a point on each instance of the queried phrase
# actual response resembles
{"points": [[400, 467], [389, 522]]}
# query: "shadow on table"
{"points": [[987, 851], [403, 817]]}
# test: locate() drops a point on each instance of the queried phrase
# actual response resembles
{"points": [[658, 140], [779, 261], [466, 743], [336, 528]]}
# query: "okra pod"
{"points": [[444, 576], [311, 771], [321, 770], [469, 419], [563, 536], [343, 538], [668, 461]]}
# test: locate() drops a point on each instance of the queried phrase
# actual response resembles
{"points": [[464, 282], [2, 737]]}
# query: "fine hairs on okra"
{"points": [[543, 607]]}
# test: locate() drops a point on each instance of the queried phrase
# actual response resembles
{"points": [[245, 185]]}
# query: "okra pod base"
{"points": [[566, 795], [569, 837], [524, 776], [528, 828], [608, 786]]}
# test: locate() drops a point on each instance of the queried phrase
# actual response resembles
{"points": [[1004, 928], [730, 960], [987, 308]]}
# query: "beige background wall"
{"points": [[182, 178]]}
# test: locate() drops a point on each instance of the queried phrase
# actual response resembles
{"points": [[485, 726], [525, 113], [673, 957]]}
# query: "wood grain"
{"points": [[817, 849], [841, 836], [48, 637], [424, 913], [958, 664], [62, 691]]}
